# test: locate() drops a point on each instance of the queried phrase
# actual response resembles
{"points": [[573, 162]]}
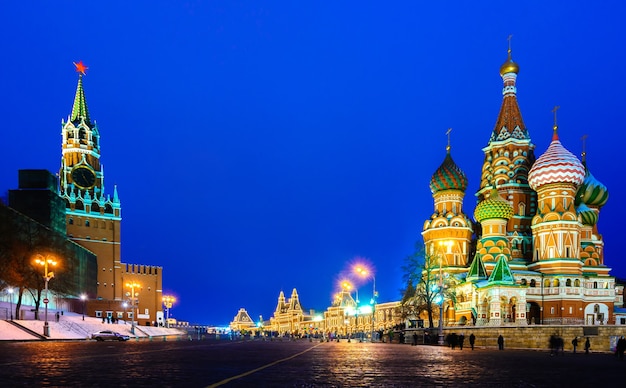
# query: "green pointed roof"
{"points": [[502, 272], [79, 110], [477, 270]]}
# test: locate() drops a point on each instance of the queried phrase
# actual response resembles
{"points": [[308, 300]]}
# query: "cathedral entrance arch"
{"points": [[534, 313]]}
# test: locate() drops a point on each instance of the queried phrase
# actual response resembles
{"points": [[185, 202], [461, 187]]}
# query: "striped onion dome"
{"points": [[556, 165], [592, 192], [448, 176], [493, 207], [588, 216]]}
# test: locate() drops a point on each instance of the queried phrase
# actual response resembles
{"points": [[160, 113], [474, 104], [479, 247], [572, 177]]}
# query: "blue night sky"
{"points": [[265, 146]]}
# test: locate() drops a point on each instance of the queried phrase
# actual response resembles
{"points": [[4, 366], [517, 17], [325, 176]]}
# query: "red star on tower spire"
{"points": [[80, 67]]}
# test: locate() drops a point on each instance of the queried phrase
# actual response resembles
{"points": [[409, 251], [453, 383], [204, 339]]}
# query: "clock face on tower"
{"points": [[83, 177]]}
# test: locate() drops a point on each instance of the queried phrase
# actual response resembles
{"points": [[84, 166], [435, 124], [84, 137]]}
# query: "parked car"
{"points": [[108, 335]]}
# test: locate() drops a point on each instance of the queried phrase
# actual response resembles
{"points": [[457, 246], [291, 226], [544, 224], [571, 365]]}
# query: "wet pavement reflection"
{"points": [[294, 364]]}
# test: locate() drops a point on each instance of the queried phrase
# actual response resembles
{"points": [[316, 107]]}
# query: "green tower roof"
{"points": [[79, 110], [477, 270], [502, 272]]}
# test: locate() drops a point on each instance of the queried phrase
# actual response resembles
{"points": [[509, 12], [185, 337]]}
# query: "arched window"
{"points": [[568, 282], [556, 282], [87, 223], [533, 283], [577, 283]]}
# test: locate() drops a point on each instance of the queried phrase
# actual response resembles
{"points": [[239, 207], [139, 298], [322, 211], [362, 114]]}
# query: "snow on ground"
{"points": [[71, 326]]}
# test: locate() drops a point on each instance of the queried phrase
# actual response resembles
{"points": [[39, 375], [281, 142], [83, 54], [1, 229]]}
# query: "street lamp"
{"points": [[132, 286], [83, 297], [364, 272], [10, 291], [446, 244], [168, 301], [46, 277], [124, 305]]}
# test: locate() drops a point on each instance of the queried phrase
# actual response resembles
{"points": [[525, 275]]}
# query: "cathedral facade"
{"points": [[532, 253]]}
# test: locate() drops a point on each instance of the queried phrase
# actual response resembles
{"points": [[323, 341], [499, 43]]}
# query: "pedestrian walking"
{"points": [[414, 339], [587, 346], [575, 343], [500, 342], [461, 340], [621, 347], [472, 340]]}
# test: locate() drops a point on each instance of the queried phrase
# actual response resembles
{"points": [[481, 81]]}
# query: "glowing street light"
{"points": [[83, 297], [10, 291], [132, 286], [45, 262], [364, 272], [168, 301], [447, 244]]}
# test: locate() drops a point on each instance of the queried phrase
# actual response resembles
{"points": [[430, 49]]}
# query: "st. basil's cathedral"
{"points": [[534, 254]]}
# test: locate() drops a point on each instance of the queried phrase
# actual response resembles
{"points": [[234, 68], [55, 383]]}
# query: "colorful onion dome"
{"points": [[556, 165], [493, 207], [448, 177], [587, 215], [509, 66], [592, 192]]}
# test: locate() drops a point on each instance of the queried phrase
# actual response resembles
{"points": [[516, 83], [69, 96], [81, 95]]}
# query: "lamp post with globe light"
{"points": [[46, 262], [168, 301], [365, 272], [83, 297], [10, 291], [447, 245], [132, 286]]}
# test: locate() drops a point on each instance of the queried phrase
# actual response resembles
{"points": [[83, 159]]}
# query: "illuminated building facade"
{"points": [[534, 254], [93, 220], [341, 319]]}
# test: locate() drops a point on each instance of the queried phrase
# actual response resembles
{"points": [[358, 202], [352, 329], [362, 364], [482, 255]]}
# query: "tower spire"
{"points": [[448, 134], [79, 110], [584, 153]]}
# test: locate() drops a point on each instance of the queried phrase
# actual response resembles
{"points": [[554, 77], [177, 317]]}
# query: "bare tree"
{"points": [[426, 285]]}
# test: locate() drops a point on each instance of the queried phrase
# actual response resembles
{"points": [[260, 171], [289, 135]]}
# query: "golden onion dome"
{"points": [[509, 66]]}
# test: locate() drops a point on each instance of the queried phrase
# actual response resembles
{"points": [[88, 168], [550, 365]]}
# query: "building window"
{"points": [[71, 221], [568, 282], [98, 314], [87, 223]]}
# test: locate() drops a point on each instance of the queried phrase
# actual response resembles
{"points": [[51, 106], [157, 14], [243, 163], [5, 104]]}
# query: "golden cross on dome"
{"points": [[80, 67], [448, 134], [556, 107], [584, 154], [509, 39]]}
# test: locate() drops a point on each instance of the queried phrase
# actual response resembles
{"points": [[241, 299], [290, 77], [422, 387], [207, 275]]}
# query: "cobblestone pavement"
{"points": [[295, 364]]}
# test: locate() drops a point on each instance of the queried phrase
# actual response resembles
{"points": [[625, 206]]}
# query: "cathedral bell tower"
{"points": [[509, 156], [93, 218]]}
